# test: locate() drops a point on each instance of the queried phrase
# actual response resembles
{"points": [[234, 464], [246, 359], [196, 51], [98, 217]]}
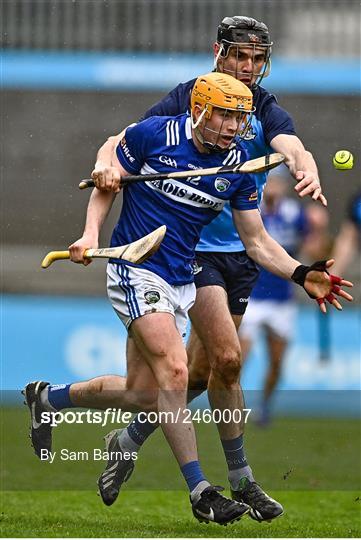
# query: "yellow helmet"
{"points": [[222, 91]]}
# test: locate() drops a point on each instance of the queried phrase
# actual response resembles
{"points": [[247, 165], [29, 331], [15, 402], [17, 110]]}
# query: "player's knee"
{"points": [[198, 377], [198, 367], [175, 374], [226, 365]]}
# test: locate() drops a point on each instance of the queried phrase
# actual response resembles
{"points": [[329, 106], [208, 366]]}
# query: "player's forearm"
{"points": [[265, 251], [260, 246], [297, 157], [100, 203], [303, 161], [105, 152], [301, 165]]}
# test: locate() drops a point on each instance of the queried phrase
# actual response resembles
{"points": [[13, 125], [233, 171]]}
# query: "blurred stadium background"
{"points": [[75, 72]]}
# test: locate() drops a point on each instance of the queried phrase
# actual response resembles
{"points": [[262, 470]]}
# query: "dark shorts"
{"points": [[235, 272]]}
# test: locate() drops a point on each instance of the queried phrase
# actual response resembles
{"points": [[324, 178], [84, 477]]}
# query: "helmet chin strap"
{"points": [[215, 148], [196, 124], [201, 140]]}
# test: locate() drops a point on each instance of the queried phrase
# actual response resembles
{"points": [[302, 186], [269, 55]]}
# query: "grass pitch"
{"points": [[312, 466], [163, 514]]}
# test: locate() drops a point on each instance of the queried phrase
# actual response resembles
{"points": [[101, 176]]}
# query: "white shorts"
{"points": [[134, 292], [279, 317]]}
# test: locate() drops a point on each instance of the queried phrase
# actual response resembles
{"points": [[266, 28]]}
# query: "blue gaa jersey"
{"points": [[287, 224], [268, 121], [164, 145]]}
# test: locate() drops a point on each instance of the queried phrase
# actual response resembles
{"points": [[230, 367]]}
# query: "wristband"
{"points": [[299, 275]]}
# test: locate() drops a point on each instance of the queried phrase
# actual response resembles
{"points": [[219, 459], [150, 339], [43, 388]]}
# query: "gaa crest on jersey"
{"points": [[250, 134], [221, 184], [152, 297]]}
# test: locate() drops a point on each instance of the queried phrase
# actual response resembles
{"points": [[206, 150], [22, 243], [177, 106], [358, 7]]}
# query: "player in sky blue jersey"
{"points": [[150, 299], [272, 306], [227, 273]]}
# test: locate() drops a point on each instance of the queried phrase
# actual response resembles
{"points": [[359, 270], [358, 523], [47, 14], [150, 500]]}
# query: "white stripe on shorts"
{"points": [[130, 298]]}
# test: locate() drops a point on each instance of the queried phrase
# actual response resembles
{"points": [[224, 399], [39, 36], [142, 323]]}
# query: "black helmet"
{"points": [[243, 30]]}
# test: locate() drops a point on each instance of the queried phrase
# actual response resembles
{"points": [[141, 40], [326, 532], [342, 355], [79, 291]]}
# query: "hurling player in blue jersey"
{"points": [[272, 306], [152, 299], [226, 273]]}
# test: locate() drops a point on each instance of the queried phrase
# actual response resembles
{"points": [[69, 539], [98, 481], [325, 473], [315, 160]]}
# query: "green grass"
{"points": [[164, 514], [311, 465]]}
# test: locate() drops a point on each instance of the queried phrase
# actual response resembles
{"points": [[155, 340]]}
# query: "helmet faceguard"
{"points": [[235, 33], [227, 95]]}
